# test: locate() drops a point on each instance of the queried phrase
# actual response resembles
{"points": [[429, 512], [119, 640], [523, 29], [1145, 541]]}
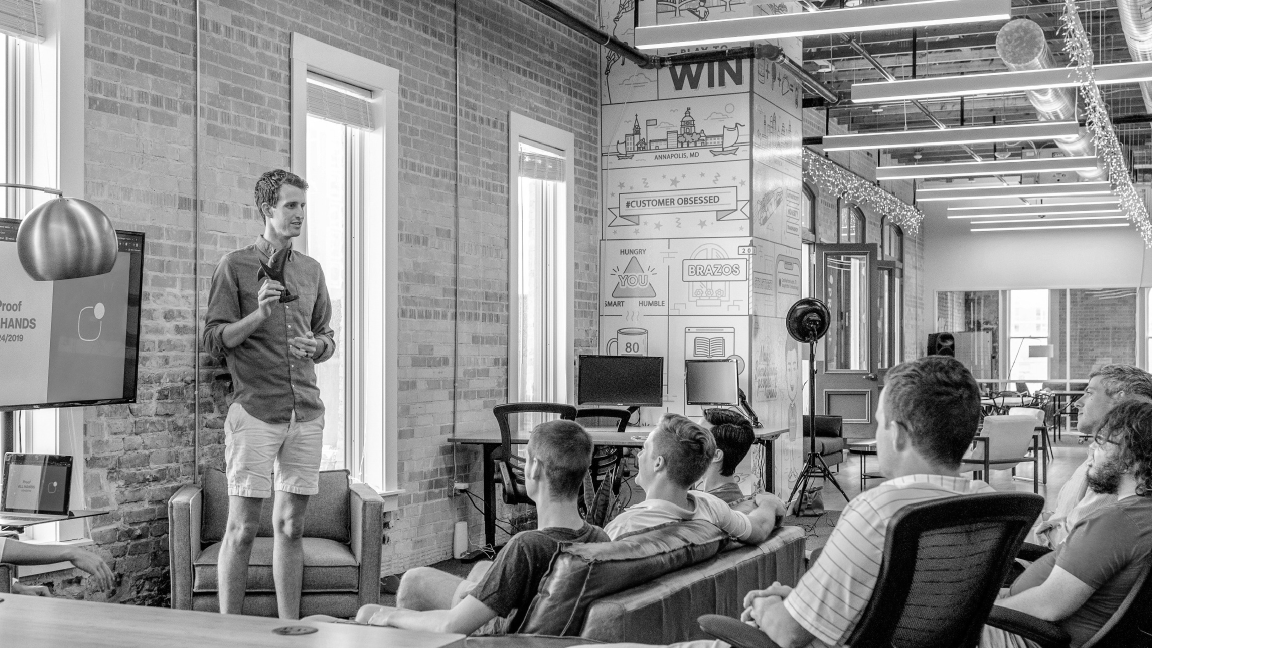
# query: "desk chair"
{"points": [[511, 466], [605, 457], [1003, 444], [944, 561], [1128, 627], [1038, 414]]}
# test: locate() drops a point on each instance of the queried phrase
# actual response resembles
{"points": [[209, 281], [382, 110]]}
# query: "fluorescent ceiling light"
{"points": [[1039, 190], [1038, 220], [1028, 210], [1098, 203], [993, 83], [1078, 225], [988, 168], [836, 21], [1114, 212], [962, 135]]}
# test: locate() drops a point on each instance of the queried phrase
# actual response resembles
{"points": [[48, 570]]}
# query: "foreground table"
{"points": [[27, 621], [632, 437]]}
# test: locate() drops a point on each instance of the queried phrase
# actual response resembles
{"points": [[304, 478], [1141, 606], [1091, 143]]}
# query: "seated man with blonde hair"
{"points": [[674, 457]]}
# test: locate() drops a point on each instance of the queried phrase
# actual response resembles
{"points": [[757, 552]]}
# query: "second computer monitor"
{"points": [[711, 381]]}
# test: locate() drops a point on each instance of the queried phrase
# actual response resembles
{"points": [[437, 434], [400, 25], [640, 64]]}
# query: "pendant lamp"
{"points": [[65, 238]]}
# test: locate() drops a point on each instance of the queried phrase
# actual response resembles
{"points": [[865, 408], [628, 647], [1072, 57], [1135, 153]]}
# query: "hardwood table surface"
{"points": [[27, 621]]}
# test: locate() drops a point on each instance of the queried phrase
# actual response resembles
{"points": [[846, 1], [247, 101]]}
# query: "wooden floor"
{"points": [[1068, 454]]}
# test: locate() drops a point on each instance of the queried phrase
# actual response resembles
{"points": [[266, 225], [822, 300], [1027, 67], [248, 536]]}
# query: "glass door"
{"points": [[847, 382]]}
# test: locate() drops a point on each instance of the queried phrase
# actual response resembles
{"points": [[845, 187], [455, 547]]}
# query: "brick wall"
{"points": [[915, 331], [139, 169]]}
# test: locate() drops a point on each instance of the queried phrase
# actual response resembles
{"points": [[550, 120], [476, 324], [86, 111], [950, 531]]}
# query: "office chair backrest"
{"points": [[944, 562], [1130, 625], [1010, 436], [504, 413], [829, 426]]}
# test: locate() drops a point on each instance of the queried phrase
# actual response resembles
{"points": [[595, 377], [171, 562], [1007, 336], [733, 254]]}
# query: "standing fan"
{"points": [[807, 321]]}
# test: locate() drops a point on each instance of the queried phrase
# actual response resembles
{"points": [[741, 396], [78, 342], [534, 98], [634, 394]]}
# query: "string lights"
{"points": [[1099, 123], [834, 179]]}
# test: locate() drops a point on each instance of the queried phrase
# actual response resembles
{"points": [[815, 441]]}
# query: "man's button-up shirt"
{"points": [[270, 383]]}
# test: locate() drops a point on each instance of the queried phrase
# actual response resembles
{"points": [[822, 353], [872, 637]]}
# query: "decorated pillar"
{"points": [[700, 240]]}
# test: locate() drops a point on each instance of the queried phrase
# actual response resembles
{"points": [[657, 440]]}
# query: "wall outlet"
{"points": [[460, 487]]}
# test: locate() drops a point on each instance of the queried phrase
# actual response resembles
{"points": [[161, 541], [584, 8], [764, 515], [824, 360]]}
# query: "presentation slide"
{"points": [[68, 337]]}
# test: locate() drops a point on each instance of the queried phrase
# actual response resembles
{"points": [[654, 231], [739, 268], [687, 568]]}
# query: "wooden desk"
{"points": [[632, 437], [56, 622]]}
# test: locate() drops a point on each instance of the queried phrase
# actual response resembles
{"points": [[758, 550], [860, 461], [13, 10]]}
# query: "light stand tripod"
{"points": [[807, 321]]}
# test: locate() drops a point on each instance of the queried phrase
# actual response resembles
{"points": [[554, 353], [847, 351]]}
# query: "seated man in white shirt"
{"points": [[1108, 386], [673, 458], [14, 552], [926, 418]]}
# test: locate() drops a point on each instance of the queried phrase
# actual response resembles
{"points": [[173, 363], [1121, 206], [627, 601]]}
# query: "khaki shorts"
{"points": [[255, 448]]}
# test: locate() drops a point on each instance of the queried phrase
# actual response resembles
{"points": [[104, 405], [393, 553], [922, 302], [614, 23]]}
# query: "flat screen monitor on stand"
{"points": [[620, 381], [711, 382]]}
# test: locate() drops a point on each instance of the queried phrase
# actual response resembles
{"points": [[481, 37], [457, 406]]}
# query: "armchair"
{"points": [[1128, 627], [1003, 444], [944, 561], [830, 432], [342, 549]]}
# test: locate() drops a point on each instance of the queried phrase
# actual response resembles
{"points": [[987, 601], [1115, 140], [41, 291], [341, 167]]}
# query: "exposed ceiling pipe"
{"points": [[648, 61], [888, 76], [775, 54], [1022, 46], [1135, 18]]}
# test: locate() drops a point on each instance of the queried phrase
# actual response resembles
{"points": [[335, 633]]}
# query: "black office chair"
{"points": [[830, 443], [511, 466], [944, 562], [1128, 627]]}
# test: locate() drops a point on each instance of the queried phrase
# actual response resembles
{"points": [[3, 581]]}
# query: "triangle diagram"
{"points": [[634, 282]]}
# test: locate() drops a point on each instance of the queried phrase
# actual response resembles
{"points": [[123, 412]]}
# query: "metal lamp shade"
{"points": [[66, 238], [808, 320]]}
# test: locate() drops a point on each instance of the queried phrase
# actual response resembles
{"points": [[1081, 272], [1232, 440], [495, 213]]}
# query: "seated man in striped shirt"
{"points": [[926, 418]]}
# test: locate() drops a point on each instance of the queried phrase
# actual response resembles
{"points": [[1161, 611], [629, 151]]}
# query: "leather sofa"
{"points": [[651, 586], [341, 549]]}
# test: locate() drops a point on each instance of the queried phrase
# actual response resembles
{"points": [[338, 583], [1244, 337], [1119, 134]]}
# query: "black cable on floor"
{"points": [[496, 520]]}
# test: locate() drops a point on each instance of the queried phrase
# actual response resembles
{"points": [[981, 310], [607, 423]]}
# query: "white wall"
{"points": [[956, 259]]}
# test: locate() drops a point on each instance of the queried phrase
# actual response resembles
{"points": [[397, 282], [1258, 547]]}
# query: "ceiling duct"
{"points": [[1135, 18], [1022, 46]]}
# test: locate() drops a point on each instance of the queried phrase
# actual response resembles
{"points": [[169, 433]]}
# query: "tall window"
{"points": [[345, 143], [1148, 330], [33, 117], [541, 249], [1028, 334], [335, 209], [852, 223]]}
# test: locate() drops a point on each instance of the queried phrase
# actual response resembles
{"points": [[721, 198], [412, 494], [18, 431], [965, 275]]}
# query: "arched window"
{"points": [[809, 212], [890, 240], [853, 223]]}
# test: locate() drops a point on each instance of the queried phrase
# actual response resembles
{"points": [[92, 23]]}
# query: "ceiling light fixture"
{"points": [[992, 83], [952, 136], [836, 21], [987, 168], [968, 212], [1078, 225], [1034, 211], [1047, 219], [1039, 190]]}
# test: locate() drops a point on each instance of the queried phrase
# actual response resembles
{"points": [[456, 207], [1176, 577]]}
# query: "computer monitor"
{"points": [[75, 341], [711, 381], [629, 381]]}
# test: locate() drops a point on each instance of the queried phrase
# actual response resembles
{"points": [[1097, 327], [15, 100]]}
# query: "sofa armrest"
{"points": [[735, 632], [1043, 633], [185, 510], [366, 539]]}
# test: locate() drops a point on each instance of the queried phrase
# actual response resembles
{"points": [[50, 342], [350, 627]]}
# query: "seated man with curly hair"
{"points": [[1081, 584]]}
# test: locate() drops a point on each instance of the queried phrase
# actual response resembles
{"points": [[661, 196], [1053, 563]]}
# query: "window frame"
{"points": [[560, 356], [855, 224], [56, 114], [372, 352]]}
